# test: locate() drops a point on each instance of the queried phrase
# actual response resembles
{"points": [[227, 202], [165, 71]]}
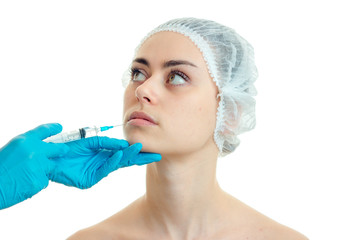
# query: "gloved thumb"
{"points": [[45, 130], [53, 150]]}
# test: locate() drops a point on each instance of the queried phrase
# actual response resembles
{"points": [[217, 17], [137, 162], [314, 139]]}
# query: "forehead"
{"points": [[164, 46]]}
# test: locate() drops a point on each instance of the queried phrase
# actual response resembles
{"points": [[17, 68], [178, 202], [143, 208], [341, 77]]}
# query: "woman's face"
{"points": [[171, 85]]}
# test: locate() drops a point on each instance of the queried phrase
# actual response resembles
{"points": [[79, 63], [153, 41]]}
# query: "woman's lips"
{"points": [[140, 122], [141, 119]]}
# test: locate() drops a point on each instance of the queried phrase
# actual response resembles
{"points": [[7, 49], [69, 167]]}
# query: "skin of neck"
{"points": [[182, 194]]}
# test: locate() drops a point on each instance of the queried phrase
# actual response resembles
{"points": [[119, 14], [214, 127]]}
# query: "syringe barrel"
{"points": [[74, 135], [65, 137], [91, 131]]}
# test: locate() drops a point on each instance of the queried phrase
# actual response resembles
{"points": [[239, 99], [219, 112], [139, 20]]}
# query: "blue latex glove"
{"points": [[27, 163], [24, 164], [91, 159]]}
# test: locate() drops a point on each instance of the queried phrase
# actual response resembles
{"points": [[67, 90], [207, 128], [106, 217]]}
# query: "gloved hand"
{"points": [[91, 159], [27, 163], [24, 164]]}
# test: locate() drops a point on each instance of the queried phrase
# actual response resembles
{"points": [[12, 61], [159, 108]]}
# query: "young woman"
{"points": [[189, 94]]}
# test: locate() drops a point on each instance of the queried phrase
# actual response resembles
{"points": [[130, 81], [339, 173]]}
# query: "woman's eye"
{"points": [[138, 76], [176, 79]]}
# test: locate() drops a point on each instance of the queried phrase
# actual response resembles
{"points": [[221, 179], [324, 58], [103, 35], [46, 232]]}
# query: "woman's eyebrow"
{"points": [[142, 61], [172, 63], [167, 64]]}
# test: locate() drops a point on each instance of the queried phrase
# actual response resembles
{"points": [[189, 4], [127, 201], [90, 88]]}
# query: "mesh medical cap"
{"points": [[230, 62]]}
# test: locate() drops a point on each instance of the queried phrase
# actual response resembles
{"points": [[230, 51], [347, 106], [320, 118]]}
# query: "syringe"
{"points": [[78, 134]]}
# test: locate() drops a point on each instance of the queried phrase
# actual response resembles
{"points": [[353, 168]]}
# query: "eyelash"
{"points": [[134, 70]]}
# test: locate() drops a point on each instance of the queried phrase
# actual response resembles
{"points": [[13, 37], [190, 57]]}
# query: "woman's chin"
{"points": [[146, 147]]}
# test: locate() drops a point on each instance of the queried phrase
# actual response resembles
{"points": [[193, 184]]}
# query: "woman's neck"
{"points": [[183, 195]]}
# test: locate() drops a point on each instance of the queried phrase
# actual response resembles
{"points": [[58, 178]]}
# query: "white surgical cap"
{"points": [[230, 62]]}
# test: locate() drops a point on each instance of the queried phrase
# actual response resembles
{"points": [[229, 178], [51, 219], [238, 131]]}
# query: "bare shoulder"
{"points": [[122, 225], [92, 233], [265, 229], [247, 223], [106, 230], [280, 232]]}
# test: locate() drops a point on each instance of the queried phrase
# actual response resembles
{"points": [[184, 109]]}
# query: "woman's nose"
{"points": [[147, 92]]}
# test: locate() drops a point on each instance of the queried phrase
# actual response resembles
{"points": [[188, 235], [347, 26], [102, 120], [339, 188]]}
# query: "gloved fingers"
{"points": [[109, 166], [103, 143], [53, 150], [145, 158], [129, 154], [132, 150], [45, 130]]}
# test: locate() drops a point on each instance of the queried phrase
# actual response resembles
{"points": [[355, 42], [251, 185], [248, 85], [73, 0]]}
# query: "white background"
{"points": [[62, 61]]}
